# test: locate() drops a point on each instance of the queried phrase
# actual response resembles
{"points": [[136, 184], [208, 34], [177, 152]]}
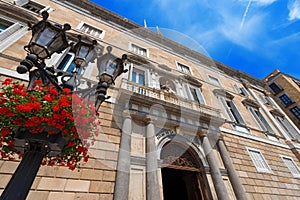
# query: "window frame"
{"points": [[134, 67], [297, 82], [240, 124], [240, 90], [284, 159], [25, 3], [264, 126], [138, 47], [68, 63], [184, 68], [286, 101], [277, 85], [212, 79], [298, 111], [266, 167], [199, 95], [98, 36], [287, 127], [57, 59], [11, 34], [235, 117]]}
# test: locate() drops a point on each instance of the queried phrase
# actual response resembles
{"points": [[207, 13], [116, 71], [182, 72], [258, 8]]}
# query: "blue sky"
{"points": [[254, 36]]}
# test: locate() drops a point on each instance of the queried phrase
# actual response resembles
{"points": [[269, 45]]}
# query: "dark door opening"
{"points": [[180, 185]]}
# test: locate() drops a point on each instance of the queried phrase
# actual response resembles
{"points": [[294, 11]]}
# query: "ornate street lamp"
{"points": [[46, 40], [84, 53], [109, 67]]}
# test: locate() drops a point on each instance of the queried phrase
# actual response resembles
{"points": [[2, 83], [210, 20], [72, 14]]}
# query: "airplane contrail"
{"points": [[245, 14]]}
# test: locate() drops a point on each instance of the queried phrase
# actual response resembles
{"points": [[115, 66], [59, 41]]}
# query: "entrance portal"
{"points": [[183, 175], [180, 184]]}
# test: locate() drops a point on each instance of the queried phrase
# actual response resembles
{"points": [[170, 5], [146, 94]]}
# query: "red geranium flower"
{"points": [[43, 109]]}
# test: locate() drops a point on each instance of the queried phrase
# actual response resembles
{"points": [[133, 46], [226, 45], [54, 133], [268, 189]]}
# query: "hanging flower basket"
{"points": [[63, 121]]}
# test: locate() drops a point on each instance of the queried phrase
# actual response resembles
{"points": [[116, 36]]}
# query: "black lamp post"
{"points": [[46, 40]]}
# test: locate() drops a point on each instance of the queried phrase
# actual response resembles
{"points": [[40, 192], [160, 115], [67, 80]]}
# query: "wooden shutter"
{"points": [[200, 96], [290, 129], [237, 113]]}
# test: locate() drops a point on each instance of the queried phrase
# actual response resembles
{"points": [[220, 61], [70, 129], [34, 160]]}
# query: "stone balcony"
{"points": [[147, 94]]}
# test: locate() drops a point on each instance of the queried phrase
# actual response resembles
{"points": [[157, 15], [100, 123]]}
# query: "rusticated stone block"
{"points": [[77, 185]]}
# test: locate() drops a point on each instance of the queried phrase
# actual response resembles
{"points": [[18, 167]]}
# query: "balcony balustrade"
{"points": [[170, 98]]}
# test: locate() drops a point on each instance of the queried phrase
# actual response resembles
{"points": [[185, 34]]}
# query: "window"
{"points": [[4, 25], [233, 114], [240, 90], [8, 28], [292, 166], [196, 95], [265, 99], [244, 91], [10, 31], [88, 29], [296, 112], [214, 80], [33, 6], [287, 127], [67, 64], [139, 50], [259, 161], [297, 82], [138, 76], [259, 118], [63, 61], [184, 68], [285, 99], [232, 111], [275, 88]]}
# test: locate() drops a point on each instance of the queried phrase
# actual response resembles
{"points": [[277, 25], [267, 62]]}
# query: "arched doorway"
{"points": [[183, 174]]}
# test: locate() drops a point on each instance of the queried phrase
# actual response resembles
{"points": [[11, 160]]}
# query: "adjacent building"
{"points": [[178, 125], [285, 91]]}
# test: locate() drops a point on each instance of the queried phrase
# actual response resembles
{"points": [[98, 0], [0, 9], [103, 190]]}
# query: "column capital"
{"points": [[221, 137], [126, 114], [202, 132], [149, 119]]}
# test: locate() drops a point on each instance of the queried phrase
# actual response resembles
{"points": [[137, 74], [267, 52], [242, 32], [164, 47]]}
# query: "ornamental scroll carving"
{"points": [[178, 161]]}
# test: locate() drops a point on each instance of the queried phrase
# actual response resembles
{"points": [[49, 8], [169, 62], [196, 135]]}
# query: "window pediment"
{"points": [[138, 60], [250, 102], [222, 92], [191, 80], [165, 67], [276, 112]]}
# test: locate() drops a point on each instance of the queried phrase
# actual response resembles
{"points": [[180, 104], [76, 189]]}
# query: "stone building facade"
{"points": [[285, 91], [178, 125]]}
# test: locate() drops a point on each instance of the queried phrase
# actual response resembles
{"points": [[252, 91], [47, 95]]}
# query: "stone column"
{"points": [[123, 165], [153, 192], [233, 177], [214, 169]]}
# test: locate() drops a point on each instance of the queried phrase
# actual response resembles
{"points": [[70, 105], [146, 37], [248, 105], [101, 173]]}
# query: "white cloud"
{"points": [[294, 9], [261, 2]]}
